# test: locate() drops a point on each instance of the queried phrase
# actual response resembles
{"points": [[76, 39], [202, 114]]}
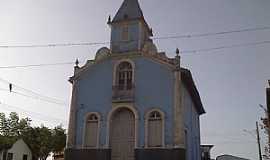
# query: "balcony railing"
{"points": [[123, 93]]}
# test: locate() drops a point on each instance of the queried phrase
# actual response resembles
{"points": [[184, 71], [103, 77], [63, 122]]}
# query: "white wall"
{"points": [[18, 149]]}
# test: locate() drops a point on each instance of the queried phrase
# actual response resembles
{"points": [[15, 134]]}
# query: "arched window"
{"points": [[91, 130], [124, 76], [155, 129]]}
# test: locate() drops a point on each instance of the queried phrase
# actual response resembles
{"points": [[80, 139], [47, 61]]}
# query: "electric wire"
{"points": [[155, 38], [226, 47], [36, 65], [34, 94], [24, 95], [184, 52], [38, 98], [213, 33], [36, 115]]}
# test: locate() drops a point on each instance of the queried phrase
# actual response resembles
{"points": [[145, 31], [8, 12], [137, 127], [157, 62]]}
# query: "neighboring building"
{"points": [[205, 151], [58, 156], [132, 102], [18, 151], [229, 157]]}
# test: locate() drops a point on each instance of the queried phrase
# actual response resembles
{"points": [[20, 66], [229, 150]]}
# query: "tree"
{"points": [[59, 139], [6, 142], [41, 140], [4, 127], [13, 126]]}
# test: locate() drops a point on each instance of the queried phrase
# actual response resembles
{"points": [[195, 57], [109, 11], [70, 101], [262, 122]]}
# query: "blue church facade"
{"points": [[132, 102]]}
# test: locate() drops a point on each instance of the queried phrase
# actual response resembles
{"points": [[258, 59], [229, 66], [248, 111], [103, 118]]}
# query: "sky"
{"points": [[231, 81]]}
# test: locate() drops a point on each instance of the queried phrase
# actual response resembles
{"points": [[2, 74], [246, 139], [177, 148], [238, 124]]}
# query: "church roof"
{"points": [[192, 89], [130, 9]]}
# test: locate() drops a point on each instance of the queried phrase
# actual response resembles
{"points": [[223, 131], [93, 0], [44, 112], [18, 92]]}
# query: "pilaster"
{"points": [[71, 135], [179, 139]]}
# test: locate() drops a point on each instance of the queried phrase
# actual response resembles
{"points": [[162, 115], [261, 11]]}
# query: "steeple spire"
{"points": [[130, 9], [129, 30]]}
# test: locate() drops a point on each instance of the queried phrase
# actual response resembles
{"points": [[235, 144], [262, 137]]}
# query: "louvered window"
{"points": [[91, 131], [125, 76], [155, 129]]}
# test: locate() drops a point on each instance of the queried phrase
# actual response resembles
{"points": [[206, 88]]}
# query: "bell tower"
{"points": [[129, 30]]}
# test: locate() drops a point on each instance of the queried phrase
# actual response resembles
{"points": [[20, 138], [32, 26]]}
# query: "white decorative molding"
{"points": [[178, 116], [115, 108], [98, 130], [146, 118], [71, 135], [115, 57], [115, 65], [102, 53]]}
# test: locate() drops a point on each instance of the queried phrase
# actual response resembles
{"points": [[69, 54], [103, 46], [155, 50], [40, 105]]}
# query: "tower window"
{"points": [[125, 33], [124, 75]]}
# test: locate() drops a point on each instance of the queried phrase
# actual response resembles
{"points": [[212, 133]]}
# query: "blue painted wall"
{"points": [[116, 39], [95, 91], [192, 126], [154, 88]]}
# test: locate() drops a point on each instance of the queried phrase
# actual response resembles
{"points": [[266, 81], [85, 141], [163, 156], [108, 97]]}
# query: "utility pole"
{"points": [[258, 140], [268, 110]]}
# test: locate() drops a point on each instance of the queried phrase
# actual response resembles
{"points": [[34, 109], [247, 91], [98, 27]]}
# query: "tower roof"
{"points": [[130, 9]]}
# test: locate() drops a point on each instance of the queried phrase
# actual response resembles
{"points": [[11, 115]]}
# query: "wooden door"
{"points": [[122, 136]]}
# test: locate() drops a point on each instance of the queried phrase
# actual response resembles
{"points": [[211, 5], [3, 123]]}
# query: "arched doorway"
{"points": [[122, 135]]}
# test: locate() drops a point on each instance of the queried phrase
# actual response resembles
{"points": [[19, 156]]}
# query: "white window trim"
{"points": [[146, 119], [110, 116], [98, 130], [116, 64]]}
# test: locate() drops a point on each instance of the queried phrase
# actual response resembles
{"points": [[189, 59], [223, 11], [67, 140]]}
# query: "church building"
{"points": [[132, 102]]}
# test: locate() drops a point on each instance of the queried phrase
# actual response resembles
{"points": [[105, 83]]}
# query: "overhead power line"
{"points": [[33, 94], [36, 65], [226, 47], [183, 52], [39, 98], [52, 45], [213, 33], [155, 38], [36, 115]]}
